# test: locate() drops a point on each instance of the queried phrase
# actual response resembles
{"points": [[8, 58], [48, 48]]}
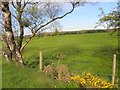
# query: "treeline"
{"points": [[72, 32], [44, 34]]}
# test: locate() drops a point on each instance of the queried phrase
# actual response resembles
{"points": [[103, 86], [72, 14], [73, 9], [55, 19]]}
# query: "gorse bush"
{"points": [[86, 80]]}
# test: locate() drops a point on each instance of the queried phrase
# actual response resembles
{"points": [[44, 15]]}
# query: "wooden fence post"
{"points": [[113, 68], [40, 62]]}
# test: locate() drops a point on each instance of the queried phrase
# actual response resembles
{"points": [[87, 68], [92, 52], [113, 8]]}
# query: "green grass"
{"points": [[18, 76], [82, 53]]}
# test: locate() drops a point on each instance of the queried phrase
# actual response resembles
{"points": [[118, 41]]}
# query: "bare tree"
{"points": [[34, 16], [51, 17]]}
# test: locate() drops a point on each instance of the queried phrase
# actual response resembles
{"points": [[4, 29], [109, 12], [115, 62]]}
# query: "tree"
{"points": [[34, 16], [110, 20], [10, 41]]}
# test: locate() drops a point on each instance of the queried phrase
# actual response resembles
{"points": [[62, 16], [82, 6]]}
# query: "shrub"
{"points": [[31, 64], [48, 34], [87, 80], [62, 72], [59, 72], [49, 71]]}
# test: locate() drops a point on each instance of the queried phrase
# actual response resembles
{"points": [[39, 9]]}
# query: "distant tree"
{"points": [[56, 32], [34, 16], [51, 28], [110, 20]]}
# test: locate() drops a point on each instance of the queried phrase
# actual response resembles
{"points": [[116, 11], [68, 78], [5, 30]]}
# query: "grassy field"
{"points": [[81, 52]]}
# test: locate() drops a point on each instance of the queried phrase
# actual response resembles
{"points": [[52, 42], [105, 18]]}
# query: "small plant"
{"points": [[59, 72], [62, 72], [49, 71], [60, 56], [32, 61], [87, 80]]}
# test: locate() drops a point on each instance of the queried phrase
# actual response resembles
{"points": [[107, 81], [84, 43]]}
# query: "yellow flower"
{"points": [[88, 80]]}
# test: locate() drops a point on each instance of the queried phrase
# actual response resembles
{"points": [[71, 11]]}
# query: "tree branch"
{"points": [[54, 20], [25, 3], [60, 17], [14, 16], [1, 24], [31, 29], [13, 4]]}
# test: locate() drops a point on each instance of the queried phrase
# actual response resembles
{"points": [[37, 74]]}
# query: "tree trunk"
{"points": [[21, 35], [6, 50], [29, 39], [9, 33], [19, 19], [7, 55]]}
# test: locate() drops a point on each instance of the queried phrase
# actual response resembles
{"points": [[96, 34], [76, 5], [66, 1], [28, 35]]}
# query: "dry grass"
{"points": [[62, 72]]}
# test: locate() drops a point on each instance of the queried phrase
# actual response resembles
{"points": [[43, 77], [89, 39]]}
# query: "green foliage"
{"points": [[32, 62], [71, 32], [110, 20]]}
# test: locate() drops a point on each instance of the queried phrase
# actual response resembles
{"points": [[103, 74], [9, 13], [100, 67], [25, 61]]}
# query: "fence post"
{"points": [[113, 68], [40, 62]]}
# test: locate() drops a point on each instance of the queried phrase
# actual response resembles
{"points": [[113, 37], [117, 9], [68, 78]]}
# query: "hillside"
{"points": [[81, 52]]}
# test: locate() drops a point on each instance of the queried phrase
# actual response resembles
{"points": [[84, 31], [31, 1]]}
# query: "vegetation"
{"points": [[110, 20], [86, 80], [44, 34], [81, 53], [65, 56]]}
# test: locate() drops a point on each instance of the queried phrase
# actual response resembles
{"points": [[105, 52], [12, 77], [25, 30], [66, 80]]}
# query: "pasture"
{"points": [[80, 52]]}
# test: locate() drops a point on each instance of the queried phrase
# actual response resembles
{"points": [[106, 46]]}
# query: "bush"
{"points": [[86, 80], [46, 34], [62, 72], [56, 32], [59, 72], [49, 71], [32, 62]]}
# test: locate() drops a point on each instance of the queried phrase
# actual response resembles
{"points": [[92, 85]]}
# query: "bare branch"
{"points": [[13, 4], [31, 29], [25, 3], [14, 16], [60, 17], [2, 24]]}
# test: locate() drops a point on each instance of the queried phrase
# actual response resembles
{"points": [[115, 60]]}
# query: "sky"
{"points": [[85, 17]]}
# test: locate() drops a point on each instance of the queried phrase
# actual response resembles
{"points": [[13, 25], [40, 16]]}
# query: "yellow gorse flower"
{"points": [[88, 80]]}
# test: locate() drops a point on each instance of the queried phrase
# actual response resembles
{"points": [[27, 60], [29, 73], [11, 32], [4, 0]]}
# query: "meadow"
{"points": [[80, 52]]}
